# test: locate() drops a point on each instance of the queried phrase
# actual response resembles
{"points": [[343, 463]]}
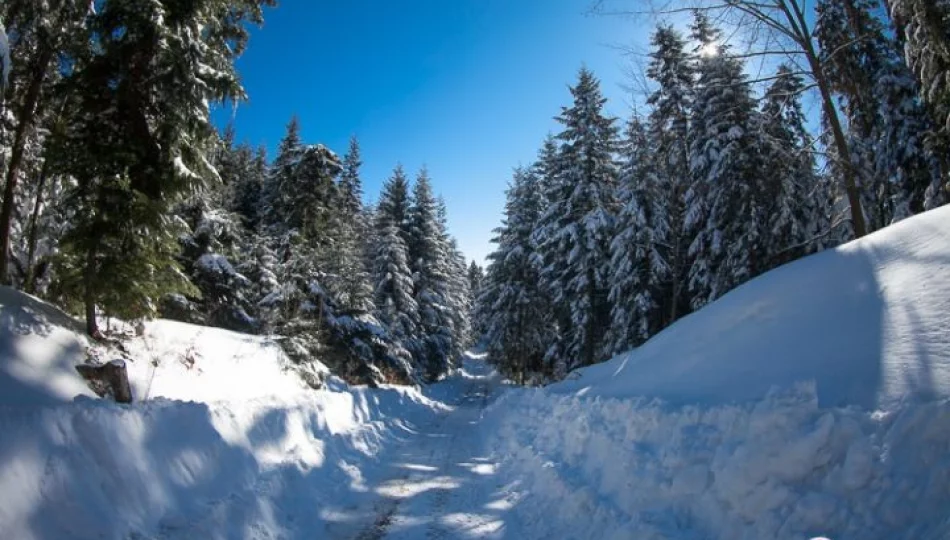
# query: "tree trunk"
{"points": [[89, 297], [804, 39], [29, 284], [109, 379], [28, 113]]}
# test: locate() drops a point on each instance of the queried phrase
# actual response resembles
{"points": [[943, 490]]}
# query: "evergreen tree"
{"points": [[792, 184], [668, 130], [922, 27], [48, 35], [392, 277], [431, 266], [356, 292], [887, 123], [575, 231], [727, 203], [637, 269], [139, 132], [513, 308]]}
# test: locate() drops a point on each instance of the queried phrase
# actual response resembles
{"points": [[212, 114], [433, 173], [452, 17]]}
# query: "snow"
{"points": [[5, 62], [867, 322], [703, 432], [50, 340], [811, 402]]}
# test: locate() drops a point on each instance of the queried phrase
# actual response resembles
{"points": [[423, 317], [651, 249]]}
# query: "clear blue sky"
{"points": [[467, 87]]}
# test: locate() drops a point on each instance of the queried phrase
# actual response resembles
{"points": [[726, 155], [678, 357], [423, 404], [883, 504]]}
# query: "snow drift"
{"points": [[229, 443], [868, 322], [811, 401]]}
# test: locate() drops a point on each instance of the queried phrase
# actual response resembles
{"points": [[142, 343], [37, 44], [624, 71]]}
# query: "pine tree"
{"points": [[726, 203], [393, 284], [431, 266], [887, 123], [45, 31], [922, 27], [140, 130], [356, 292], [513, 308], [637, 269], [668, 129], [575, 230], [793, 185]]}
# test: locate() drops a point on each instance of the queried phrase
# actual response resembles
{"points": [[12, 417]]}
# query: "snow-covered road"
{"points": [[439, 483]]}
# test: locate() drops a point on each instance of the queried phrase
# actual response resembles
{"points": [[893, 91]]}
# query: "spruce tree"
{"points": [[576, 229], [356, 292], [431, 266], [795, 217], [671, 69], [922, 27], [392, 277], [637, 269], [726, 203], [513, 308], [887, 123], [140, 131]]}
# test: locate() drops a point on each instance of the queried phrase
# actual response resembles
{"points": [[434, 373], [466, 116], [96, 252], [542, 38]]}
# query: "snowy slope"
{"points": [[868, 322], [230, 444], [810, 402], [197, 363], [39, 345]]}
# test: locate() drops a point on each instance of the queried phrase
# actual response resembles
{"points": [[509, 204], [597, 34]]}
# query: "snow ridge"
{"points": [[782, 468]]}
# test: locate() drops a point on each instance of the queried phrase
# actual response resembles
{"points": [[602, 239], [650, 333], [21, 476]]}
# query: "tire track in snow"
{"points": [[440, 458]]}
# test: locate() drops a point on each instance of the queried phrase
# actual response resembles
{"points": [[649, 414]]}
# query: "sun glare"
{"points": [[710, 50]]}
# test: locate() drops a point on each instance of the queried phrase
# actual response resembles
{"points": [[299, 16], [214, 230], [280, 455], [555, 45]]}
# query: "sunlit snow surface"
{"points": [[810, 403]]}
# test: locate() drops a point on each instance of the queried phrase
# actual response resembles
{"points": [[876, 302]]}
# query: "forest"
{"points": [[122, 199], [616, 231]]}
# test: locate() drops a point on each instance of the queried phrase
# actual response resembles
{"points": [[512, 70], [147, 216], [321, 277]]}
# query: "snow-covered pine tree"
{"points": [[726, 203], [431, 266], [139, 132], [887, 122], [355, 290], [637, 269], [47, 34], [393, 286], [671, 69], [513, 308], [796, 219], [922, 27], [576, 229], [281, 172]]}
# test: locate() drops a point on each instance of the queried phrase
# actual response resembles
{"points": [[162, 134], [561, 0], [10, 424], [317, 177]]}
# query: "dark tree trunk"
{"points": [[29, 284], [89, 296], [28, 113]]}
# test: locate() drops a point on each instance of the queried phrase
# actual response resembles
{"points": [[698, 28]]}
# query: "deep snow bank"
{"points": [[95, 469], [783, 468], [810, 402], [230, 442], [39, 347], [869, 322]]}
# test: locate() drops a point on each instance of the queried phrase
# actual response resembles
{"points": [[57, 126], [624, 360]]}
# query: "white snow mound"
{"points": [[39, 347], [868, 322], [810, 402]]}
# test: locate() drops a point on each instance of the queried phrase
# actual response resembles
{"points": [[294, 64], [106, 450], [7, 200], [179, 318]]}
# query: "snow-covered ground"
{"points": [[811, 402]]}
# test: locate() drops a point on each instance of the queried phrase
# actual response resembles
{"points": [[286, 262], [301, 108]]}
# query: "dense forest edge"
{"points": [[122, 200]]}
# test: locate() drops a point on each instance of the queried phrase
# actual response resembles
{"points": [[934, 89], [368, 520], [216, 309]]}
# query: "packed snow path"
{"points": [[439, 484]]}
